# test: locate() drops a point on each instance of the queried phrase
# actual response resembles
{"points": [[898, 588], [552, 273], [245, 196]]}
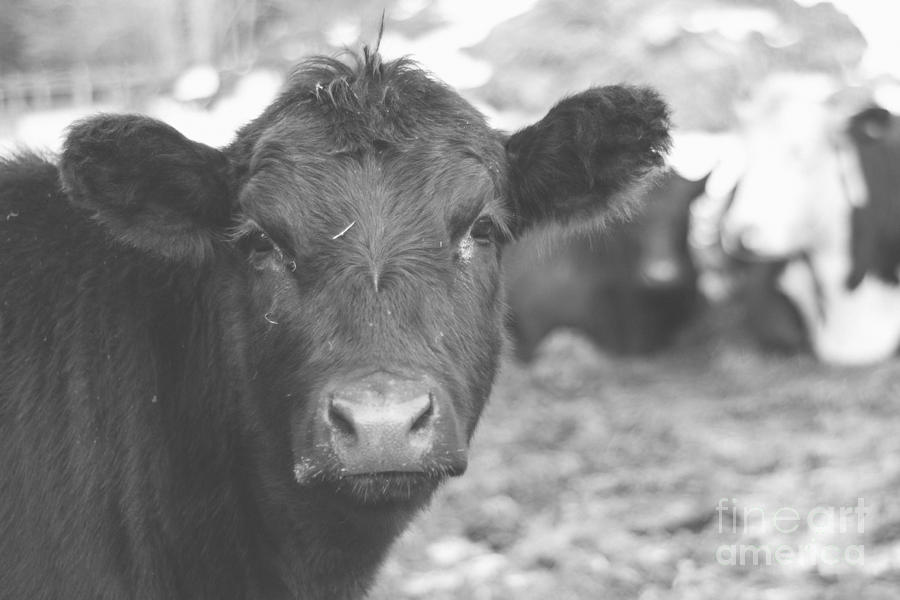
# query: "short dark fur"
{"points": [[171, 312], [876, 225]]}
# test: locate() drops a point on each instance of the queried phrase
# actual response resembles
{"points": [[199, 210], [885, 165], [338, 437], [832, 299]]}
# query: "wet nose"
{"points": [[379, 424], [371, 436]]}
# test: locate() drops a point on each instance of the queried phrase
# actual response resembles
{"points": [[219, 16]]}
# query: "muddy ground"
{"points": [[711, 471]]}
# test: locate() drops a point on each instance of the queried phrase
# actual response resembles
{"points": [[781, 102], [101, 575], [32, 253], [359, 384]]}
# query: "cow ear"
{"points": [[587, 151], [149, 185], [870, 125]]}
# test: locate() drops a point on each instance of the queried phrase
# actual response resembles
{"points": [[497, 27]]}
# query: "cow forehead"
{"points": [[367, 143], [793, 150], [796, 124], [313, 134], [303, 198]]}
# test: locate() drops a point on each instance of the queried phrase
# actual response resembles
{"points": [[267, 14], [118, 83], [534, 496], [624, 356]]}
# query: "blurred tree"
{"points": [[702, 54], [57, 34], [11, 38], [171, 34]]}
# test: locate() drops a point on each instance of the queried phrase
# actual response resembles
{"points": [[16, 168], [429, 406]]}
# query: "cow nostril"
{"points": [[340, 421], [384, 425], [426, 415]]}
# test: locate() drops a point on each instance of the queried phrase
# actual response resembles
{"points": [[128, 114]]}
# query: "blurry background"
{"points": [[594, 474], [512, 58]]}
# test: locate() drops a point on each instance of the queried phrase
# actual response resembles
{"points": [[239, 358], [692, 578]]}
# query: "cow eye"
{"points": [[258, 242], [264, 254], [483, 230]]}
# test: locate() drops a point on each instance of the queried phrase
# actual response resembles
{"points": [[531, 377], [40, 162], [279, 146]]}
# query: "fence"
{"points": [[121, 86]]}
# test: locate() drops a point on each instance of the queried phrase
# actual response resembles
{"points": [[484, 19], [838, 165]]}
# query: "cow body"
{"points": [[239, 373], [629, 289], [819, 195]]}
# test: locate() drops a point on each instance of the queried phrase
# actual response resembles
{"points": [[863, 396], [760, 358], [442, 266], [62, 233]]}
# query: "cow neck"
{"points": [[846, 326]]}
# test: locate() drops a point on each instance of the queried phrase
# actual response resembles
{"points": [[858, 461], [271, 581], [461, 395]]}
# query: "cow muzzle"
{"points": [[664, 273], [380, 424]]}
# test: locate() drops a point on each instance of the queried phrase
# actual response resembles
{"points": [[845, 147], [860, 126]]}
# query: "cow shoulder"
{"points": [[25, 179], [30, 197]]}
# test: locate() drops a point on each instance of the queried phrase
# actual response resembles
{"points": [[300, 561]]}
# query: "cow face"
{"points": [[360, 220], [799, 181], [662, 228]]}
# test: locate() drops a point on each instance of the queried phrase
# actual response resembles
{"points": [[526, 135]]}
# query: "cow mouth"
{"points": [[400, 488], [388, 488], [397, 489]]}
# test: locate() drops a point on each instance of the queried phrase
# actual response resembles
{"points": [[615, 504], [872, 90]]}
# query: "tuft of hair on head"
{"points": [[371, 61], [380, 32]]}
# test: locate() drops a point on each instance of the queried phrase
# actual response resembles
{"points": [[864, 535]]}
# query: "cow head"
{"points": [[362, 217], [662, 228], [790, 199]]}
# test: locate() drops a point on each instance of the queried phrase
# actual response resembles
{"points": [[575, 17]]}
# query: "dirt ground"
{"points": [[708, 472]]}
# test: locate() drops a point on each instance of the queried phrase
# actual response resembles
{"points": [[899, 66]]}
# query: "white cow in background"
{"points": [[804, 197]]}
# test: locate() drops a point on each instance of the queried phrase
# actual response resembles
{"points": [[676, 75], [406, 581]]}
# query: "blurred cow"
{"points": [[770, 314], [629, 288], [820, 196]]}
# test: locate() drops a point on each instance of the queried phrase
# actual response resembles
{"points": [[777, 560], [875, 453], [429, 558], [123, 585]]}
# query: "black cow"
{"points": [[239, 373], [629, 289]]}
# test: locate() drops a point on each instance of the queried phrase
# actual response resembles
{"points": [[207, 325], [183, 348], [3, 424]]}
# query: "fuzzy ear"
{"points": [[149, 185], [870, 125], [590, 147]]}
